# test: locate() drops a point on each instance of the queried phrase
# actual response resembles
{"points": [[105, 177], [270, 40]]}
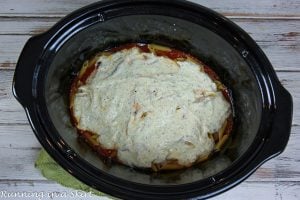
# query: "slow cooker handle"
{"points": [[26, 70], [281, 126]]}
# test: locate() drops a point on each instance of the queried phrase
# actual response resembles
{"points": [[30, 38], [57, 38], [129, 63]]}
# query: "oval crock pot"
{"points": [[262, 107]]}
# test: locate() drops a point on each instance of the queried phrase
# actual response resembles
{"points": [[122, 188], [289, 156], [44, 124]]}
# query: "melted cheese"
{"points": [[151, 108]]}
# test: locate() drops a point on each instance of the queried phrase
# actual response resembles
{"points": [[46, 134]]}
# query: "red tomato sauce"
{"points": [[88, 137], [173, 54], [90, 69]]}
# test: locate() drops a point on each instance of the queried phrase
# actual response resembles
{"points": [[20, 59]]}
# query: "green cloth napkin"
{"points": [[52, 171]]}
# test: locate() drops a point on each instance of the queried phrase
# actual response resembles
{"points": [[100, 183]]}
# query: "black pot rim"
{"points": [[277, 103]]}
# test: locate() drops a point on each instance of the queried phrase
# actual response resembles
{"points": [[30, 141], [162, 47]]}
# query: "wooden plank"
{"points": [[254, 9], [19, 164], [17, 136], [269, 190], [54, 8], [279, 39], [11, 111], [258, 190], [25, 26], [10, 48]]}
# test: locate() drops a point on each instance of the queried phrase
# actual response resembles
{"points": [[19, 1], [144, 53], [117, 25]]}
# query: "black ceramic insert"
{"points": [[262, 107]]}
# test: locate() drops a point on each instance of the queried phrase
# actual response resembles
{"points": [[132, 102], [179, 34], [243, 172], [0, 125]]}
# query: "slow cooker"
{"points": [[262, 107]]}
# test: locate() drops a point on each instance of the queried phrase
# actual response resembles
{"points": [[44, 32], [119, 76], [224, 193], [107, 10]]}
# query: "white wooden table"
{"points": [[274, 24]]}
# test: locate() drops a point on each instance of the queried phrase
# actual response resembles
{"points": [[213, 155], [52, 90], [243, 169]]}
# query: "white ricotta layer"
{"points": [[151, 108]]}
